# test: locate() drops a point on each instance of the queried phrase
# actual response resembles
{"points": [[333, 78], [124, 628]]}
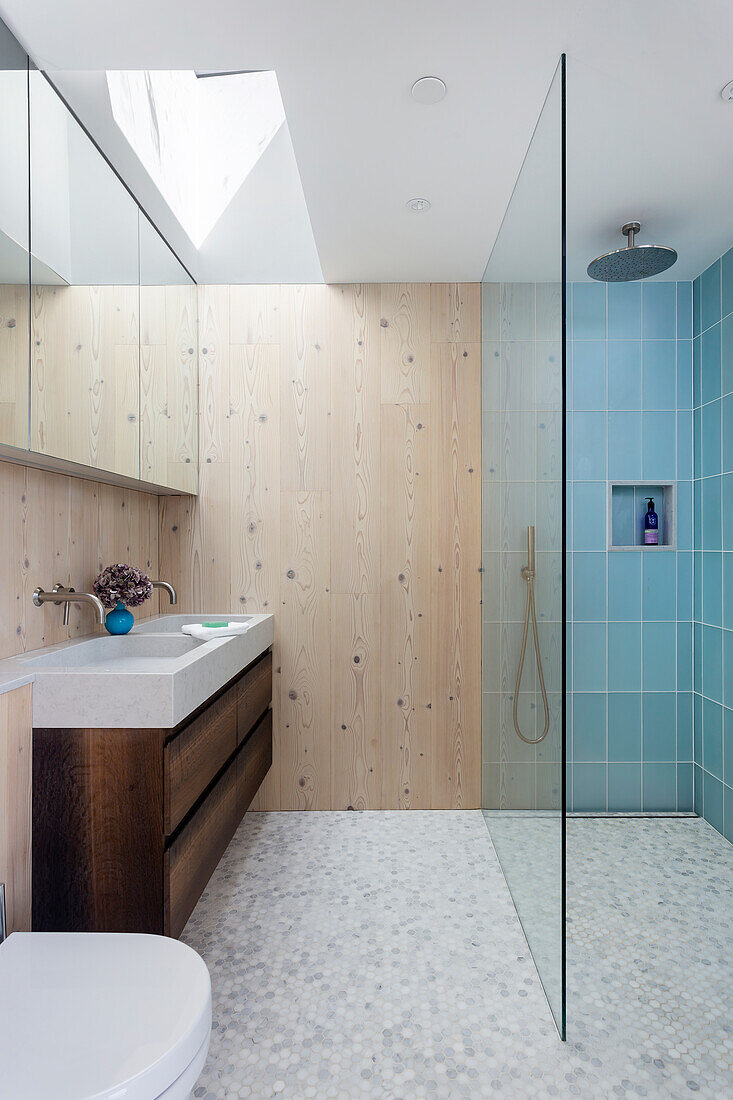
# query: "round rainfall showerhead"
{"points": [[636, 261]]}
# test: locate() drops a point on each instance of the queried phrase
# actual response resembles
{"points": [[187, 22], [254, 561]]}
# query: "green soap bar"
{"points": [[215, 624]]}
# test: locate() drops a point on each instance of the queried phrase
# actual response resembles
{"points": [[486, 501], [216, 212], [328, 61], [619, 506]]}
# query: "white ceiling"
{"points": [[648, 136]]}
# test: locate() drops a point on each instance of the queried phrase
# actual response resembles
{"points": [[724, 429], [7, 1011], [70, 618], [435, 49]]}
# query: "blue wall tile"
{"points": [[727, 694], [589, 446], [713, 801], [659, 374], [697, 658], [659, 726], [710, 369], [624, 725], [589, 656], [624, 586], [624, 656], [684, 725], [660, 787], [589, 375], [728, 591], [728, 747], [624, 374], [659, 656], [727, 516], [712, 662], [589, 515], [712, 738], [684, 585], [711, 533], [589, 311], [659, 446], [659, 309], [711, 450], [624, 311], [726, 354], [589, 586], [684, 311], [684, 374], [712, 577], [684, 656], [685, 529], [697, 729], [698, 791], [685, 795], [589, 726], [659, 586], [710, 296], [684, 446], [696, 372], [727, 432], [624, 446], [624, 788], [696, 306], [589, 787]]}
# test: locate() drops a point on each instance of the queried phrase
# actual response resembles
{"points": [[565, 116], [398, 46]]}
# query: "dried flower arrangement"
{"points": [[122, 582]]}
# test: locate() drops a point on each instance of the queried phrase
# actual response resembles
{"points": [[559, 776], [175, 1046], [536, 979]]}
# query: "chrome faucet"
{"points": [[168, 588], [67, 596]]}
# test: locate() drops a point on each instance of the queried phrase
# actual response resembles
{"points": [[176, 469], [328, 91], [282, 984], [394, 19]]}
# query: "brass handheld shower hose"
{"points": [[528, 572]]}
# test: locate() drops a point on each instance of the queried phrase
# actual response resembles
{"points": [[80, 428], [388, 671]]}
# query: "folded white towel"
{"points": [[205, 633]]}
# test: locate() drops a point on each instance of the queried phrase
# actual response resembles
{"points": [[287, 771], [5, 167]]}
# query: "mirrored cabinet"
{"points": [[99, 329]]}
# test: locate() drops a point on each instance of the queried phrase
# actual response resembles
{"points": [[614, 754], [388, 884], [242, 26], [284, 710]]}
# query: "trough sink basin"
{"points": [[154, 677]]}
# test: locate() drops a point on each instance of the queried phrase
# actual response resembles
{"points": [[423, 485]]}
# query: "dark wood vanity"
{"points": [[129, 824]]}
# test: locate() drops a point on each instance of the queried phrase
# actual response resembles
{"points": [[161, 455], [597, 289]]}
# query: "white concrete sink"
{"points": [[114, 652], [153, 677]]}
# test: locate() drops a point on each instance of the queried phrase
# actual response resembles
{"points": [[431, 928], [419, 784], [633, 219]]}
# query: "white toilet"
{"points": [[101, 1016]]}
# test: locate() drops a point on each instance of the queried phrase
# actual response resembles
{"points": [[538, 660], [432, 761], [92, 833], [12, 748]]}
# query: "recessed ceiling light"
{"points": [[429, 89], [418, 204], [727, 92]]}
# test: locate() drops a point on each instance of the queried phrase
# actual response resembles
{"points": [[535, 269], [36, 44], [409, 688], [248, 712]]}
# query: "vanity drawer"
{"points": [[197, 753], [192, 857], [253, 763], [255, 696]]}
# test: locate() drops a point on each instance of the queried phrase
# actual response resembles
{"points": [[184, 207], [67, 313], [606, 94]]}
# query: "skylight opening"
{"points": [[197, 139]]}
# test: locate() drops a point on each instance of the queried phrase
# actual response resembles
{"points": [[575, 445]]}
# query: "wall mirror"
{"points": [[85, 352], [14, 290], [168, 366]]}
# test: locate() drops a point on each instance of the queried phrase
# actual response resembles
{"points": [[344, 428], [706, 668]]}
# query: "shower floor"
{"points": [[380, 955]]}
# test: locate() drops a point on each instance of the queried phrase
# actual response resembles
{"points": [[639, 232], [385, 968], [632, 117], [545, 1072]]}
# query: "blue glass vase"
{"points": [[119, 620]]}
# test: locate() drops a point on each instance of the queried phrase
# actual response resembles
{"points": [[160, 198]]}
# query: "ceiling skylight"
{"points": [[198, 139]]}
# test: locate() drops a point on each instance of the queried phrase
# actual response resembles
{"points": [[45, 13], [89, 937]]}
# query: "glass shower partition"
{"points": [[523, 606]]}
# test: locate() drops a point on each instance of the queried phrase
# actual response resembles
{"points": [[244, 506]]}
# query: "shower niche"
{"points": [[627, 504]]}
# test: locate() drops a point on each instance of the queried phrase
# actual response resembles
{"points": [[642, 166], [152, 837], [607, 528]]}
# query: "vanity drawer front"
{"points": [[253, 763], [255, 696], [192, 857], [196, 754]]}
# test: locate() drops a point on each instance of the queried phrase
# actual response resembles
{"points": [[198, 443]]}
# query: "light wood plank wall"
{"points": [[340, 489], [54, 528]]}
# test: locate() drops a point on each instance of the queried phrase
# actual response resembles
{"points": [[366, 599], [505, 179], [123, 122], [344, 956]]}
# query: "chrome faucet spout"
{"points": [[167, 587], [67, 596]]}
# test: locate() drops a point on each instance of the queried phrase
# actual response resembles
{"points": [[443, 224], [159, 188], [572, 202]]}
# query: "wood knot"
{"points": [[292, 694], [290, 573], [383, 322], [357, 659]]}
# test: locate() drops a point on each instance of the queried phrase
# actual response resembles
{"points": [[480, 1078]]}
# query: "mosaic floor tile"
{"points": [[380, 955]]}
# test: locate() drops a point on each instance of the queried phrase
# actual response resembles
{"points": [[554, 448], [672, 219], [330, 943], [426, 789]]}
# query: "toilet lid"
{"points": [[99, 1016]]}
